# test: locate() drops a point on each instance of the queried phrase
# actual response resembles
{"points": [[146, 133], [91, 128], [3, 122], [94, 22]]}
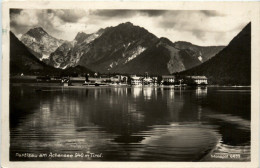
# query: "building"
{"points": [[147, 81], [119, 79], [65, 82], [150, 81], [155, 80], [136, 80], [123, 78], [115, 78], [168, 78], [199, 79]]}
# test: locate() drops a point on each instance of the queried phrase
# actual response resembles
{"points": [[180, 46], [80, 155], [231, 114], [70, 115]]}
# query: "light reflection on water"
{"points": [[138, 123]]}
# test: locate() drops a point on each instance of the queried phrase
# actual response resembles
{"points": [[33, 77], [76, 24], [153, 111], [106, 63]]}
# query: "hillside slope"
{"points": [[231, 66], [23, 61], [160, 58], [203, 52]]}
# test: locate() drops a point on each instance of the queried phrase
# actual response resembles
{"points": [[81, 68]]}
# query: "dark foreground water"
{"points": [[130, 124]]}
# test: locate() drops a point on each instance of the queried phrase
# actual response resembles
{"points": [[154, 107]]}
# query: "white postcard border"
{"points": [[254, 7]]}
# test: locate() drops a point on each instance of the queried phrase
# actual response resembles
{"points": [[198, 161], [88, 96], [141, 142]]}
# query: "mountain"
{"points": [[161, 58], [23, 61], [204, 53], [103, 50], [127, 48], [69, 53], [117, 46], [40, 43], [74, 71], [232, 65]]}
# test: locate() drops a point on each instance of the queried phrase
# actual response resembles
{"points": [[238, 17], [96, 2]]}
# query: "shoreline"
{"points": [[80, 85]]}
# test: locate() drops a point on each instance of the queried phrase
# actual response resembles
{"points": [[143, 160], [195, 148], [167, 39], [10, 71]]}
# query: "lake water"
{"points": [[130, 124]]}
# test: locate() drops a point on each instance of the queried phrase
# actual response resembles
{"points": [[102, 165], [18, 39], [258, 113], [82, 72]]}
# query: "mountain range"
{"points": [[23, 61], [125, 48], [130, 49]]}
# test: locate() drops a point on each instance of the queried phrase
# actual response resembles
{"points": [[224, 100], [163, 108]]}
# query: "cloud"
{"points": [[22, 20], [71, 16], [201, 27], [211, 13], [204, 25], [189, 21], [127, 13], [152, 13], [113, 13], [199, 34], [19, 36], [26, 19]]}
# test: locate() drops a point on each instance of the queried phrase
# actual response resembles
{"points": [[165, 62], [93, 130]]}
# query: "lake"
{"points": [[130, 124]]}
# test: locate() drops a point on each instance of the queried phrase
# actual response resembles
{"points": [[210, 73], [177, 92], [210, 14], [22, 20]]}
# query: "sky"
{"points": [[200, 27]]}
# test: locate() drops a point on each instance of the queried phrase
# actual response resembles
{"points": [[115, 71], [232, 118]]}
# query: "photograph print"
{"points": [[130, 85]]}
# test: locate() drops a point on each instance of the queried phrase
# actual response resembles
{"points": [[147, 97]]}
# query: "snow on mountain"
{"points": [[200, 58], [137, 52], [40, 42], [92, 37], [69, 53], [125, 48]]}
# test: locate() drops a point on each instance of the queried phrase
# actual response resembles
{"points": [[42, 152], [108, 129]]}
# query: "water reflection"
{"points": [[128, 123], [137, 91], [148, 92], [201, 91], [192, 141]]}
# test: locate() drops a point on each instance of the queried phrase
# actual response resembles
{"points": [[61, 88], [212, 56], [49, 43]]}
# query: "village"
{"points": [[126, 80]]}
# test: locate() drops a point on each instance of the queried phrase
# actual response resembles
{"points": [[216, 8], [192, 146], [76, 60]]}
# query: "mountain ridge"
{"points": [[112, 49], [22, 61]]}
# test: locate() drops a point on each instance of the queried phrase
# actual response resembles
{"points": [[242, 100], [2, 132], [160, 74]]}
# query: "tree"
{"points": [[128, 80], [86, 77], [189, 81], [159, 79], [124, 80]]}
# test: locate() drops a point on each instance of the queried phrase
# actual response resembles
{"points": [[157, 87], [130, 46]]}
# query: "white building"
{"points": [[150, 80], [136, 80], [168, 78], [199, 79], [119, 78]]}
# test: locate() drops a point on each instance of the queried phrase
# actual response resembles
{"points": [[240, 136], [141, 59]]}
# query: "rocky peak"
{"points": [[37, 32], [127, 32], [81, 36], [126, 24], [182, 44], [40, 42], [165, 41]]}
